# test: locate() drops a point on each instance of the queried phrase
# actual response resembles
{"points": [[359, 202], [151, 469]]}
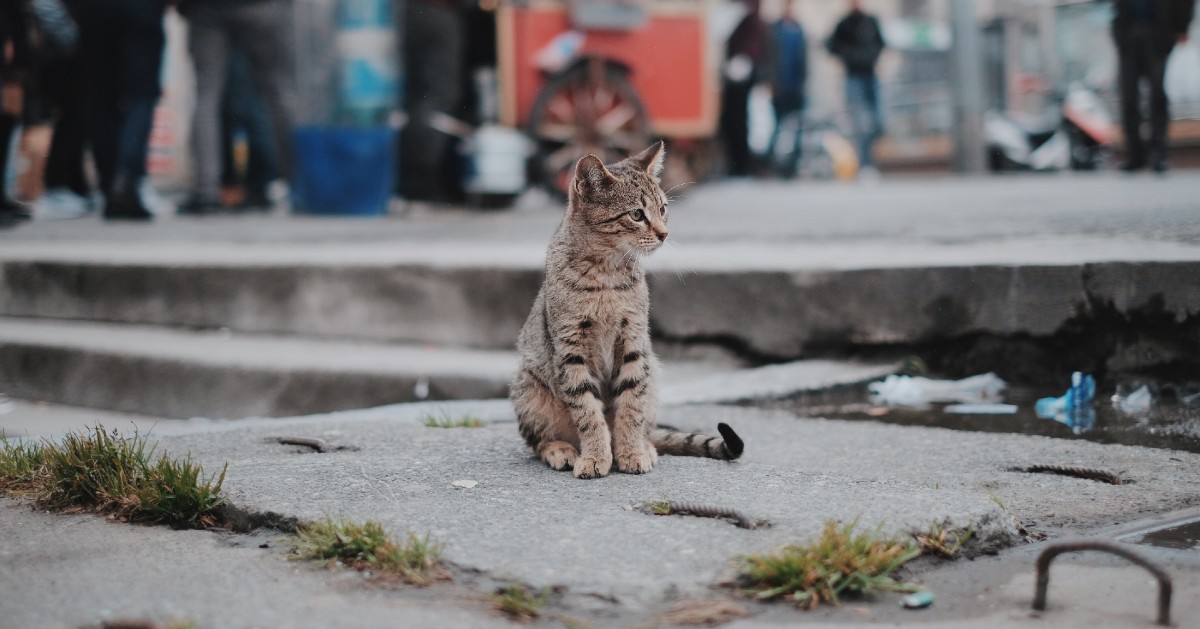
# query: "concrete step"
{"points": [[780, 305], [178, 374], [174, 373]]}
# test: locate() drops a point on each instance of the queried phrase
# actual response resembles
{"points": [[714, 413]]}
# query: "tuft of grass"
{"points": [[660, 507], [21, 464], [942, 541], [839, 561], [519, 603], [107, 473], [367, 546], [443, 419]]}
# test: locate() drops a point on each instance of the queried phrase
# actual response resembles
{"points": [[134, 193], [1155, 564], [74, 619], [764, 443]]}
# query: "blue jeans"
{"points": [[866, 113]]}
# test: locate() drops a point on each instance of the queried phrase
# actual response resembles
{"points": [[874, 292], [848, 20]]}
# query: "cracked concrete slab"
{"points": [[523, 521]]}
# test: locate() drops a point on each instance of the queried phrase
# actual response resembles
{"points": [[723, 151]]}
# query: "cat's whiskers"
{"points": [[674, 262]]}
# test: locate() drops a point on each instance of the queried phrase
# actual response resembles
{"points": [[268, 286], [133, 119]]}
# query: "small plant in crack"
{"points": [[837, 562], [943, 541], [444, 419], [659, 507], [367, 546], [21, 464], [106, 472], [519, 602]]}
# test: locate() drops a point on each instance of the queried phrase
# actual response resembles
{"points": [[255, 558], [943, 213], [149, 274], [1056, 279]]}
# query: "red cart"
{"points": [[605, 77]]}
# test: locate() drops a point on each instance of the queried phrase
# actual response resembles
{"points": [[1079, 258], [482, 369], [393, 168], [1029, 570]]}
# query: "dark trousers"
{"points": [[121, 45], [433, 58], [735, 125], [63, 85], [242, 109], [1143, 57]]}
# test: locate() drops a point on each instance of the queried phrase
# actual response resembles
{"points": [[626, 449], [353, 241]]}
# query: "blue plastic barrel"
{"points": [[344, 171]]}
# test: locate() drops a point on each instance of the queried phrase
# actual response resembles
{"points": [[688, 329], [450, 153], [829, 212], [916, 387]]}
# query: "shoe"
{"points": [[14, 211], [199, 206], [126, 205], [62, 204], [1132, 166], [1159, 166]]}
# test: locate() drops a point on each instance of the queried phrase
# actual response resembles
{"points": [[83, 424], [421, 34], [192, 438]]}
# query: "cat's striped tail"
{"points": [[727, 447]]}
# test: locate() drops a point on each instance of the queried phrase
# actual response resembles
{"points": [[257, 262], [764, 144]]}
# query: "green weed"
{"points": [[519, 603], [108, 473], [660, 507], [839, 561], [941, 541], [21, 464], [443, 419], [369, 546]]}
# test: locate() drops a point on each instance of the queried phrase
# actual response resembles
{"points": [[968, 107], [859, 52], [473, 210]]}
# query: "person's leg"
{"points": [[796, 118], [208, 44], [860, 116], [1131, 115], [264, 36], [736, 129], [64, 163], [1156, 68], [875, 107], [99, 52], [141, 49]]}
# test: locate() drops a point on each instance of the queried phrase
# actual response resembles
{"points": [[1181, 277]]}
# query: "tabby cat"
{"points": [[586, 393]]}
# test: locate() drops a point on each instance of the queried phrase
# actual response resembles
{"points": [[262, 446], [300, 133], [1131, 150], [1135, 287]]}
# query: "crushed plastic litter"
{"points": [[917, 600], [981, 409], [1074, 408], [919, 392], [1136, 404]]}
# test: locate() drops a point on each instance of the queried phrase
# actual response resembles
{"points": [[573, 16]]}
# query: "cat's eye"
{"points": [[637, 215]]}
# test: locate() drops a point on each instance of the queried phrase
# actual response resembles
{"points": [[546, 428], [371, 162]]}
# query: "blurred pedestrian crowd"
{"points": [[91, 69]]}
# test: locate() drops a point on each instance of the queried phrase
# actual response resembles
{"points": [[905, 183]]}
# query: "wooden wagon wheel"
{"points": [[590, 108]]}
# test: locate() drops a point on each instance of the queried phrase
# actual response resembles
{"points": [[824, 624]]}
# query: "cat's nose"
{"points": [[662, 236]]}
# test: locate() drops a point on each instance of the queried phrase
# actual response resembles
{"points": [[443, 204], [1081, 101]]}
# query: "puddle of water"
{"points": [[1170, 423], [1184, 536]]}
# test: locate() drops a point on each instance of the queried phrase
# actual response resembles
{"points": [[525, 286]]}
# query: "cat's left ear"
{"points": [[651, 159]]}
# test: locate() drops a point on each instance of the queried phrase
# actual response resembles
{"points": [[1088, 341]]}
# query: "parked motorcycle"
{"points": [[1079, 136]]}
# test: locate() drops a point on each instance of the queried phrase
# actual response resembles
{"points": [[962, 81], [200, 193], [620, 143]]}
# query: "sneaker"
{"points": [[153, 201], [62, 204]]}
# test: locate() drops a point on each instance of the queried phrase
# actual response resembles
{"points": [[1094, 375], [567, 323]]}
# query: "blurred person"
{"points": [[242, 110], [261, 30], [16, 64], [122, 45], [746, 55], [434, 52], [1145, 31], [68, 193], [788, 79], [858, 41]]}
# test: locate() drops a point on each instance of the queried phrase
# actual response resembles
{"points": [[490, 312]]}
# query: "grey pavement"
{"points": [[618, 566], [768, 267]]}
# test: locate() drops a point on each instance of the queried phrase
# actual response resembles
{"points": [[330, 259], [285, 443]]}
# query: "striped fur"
{"points": [[586, 392]]}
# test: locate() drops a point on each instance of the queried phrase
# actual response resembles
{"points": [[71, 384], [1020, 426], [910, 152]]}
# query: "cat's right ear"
{"points": [[591, 175]]}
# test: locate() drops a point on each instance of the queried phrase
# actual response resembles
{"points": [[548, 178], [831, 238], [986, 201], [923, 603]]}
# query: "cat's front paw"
{"points": [[636, 462], [592, 467]]}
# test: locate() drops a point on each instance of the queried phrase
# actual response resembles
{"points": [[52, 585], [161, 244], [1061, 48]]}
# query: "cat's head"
{"points": [[621, 206]]}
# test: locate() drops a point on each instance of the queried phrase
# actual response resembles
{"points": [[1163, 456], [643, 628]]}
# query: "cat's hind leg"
{"points": [[545, 422]]}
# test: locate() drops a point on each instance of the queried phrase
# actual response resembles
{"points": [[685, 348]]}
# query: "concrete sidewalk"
{"points": [[613, 564]]}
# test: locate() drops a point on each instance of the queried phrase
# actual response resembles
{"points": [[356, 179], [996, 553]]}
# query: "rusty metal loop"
{"points": [[1048, 555]]}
